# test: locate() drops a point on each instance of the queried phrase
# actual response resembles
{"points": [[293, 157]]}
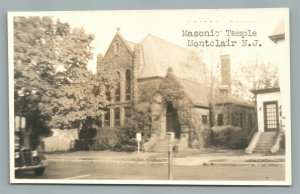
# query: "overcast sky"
{"points": [[169, 24]]}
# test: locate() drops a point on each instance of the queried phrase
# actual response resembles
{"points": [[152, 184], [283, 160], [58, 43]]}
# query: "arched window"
{"points": [[118, 88], [128, 85]]}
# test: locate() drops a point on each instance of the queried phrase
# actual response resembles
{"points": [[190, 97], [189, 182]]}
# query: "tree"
{"points": [[254, 75], [139, 122], [81, 100], [42, 47]]}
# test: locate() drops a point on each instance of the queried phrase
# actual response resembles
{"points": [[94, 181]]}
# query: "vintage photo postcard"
{"points": [[183, 97]]}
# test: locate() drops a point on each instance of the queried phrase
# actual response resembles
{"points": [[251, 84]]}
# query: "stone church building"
{"points": [[146, 68]]}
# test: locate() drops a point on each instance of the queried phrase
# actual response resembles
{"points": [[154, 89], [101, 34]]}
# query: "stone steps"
{"points": [[265, 142], [161, 145]]}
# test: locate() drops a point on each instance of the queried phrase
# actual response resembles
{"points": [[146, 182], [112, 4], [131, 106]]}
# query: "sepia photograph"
{"points": [[163, 97]]}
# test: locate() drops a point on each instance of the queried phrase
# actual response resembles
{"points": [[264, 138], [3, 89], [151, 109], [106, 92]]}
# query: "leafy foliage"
{"points": [[201, 135], [255, 75], [84, 98], [124, 138], [52, 83], [230, 137], [106, 139], [34, 67], [138, 123], [173, 93]]}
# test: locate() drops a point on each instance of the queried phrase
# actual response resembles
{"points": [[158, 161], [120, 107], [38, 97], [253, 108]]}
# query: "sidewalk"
{"points": [[187, 159]]}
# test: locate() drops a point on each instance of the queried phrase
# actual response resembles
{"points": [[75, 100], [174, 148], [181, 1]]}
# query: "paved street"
{"points": [[125, 171]]}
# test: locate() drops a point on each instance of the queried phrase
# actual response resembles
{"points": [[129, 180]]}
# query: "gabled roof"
{"points": [[198, 93], [230, 99], [129, 45], [159, 55]]}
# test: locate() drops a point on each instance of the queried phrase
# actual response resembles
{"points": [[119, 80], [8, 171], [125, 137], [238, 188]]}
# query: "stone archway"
{"points": [[172, 121], [164, 117]]}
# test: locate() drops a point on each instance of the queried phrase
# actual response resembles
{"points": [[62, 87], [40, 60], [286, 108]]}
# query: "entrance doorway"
{"points": [[271, 116], [172, 124]]}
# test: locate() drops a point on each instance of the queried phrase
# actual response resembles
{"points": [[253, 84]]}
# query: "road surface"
{"points": [[106, 171]]}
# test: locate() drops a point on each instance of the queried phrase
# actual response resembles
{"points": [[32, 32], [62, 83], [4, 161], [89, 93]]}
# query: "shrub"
{"points": [[128, 148], [87, 133], [230, 137], [202, 138], [139, 123], [106, 139], [86, 138], [208, 137], [81, 145]]}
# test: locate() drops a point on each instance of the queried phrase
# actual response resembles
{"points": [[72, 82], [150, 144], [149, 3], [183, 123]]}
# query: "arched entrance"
{"points": [[172, 121]]}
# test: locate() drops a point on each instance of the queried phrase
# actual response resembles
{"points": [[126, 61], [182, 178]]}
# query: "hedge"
{"points": [[230, 137]]}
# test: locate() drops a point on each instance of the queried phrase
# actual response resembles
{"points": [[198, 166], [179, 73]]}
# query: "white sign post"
{"points": [[138, 139], [170, 151]]}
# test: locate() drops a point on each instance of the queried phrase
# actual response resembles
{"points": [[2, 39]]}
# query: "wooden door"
{"points": [[271, 116]]}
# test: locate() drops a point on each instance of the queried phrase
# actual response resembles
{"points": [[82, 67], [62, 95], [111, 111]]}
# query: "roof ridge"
{"points": [[189, 80], [166, 41]]}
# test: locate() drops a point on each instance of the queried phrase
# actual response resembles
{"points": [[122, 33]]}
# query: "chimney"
{"points": [[225, 87], [99, 61]]}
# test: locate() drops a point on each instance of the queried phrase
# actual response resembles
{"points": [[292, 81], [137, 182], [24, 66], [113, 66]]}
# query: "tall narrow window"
{"points": [[107, 93], [235, 120], [107, 118], [128, 85], [127, 112], [220, 121], [117, 117], [204, 119], [118, 88], [241, 120]]}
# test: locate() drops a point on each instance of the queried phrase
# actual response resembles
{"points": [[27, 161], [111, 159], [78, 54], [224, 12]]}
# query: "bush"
{"points": [[202, 138], [230, 137], [107, 139], [81, 145], [128, 148], [139, 123], [116, 139], [86, 138], [208, 137]]}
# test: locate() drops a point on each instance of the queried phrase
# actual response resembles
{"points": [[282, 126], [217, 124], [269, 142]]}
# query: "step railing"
{"points": [[276, 144], [253, 142]]}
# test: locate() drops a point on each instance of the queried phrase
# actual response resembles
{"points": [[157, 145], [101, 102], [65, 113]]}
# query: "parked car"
{"points": [[27, 159]]}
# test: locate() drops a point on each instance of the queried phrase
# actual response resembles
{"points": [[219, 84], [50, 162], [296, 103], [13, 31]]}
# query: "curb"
{"points": [[162, 162]]}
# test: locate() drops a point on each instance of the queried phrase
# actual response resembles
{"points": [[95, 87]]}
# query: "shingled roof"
{"points": [[230, 99], [198, 93], [159, 55]]}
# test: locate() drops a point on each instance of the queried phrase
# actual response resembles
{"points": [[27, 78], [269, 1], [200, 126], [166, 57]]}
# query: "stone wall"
{"points": [[61, 140], [147, 88]]}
